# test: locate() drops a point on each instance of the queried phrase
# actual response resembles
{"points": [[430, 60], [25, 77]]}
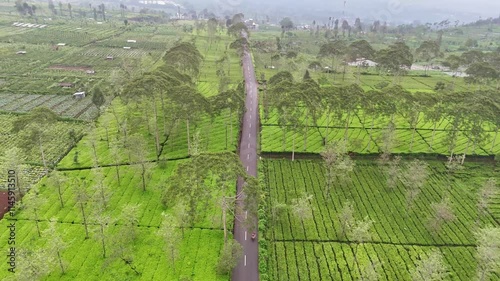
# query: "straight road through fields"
{"points": [[247, 268]]}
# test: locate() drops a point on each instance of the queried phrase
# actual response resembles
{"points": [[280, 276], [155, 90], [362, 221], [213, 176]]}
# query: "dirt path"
{"points": [[248, 267]]}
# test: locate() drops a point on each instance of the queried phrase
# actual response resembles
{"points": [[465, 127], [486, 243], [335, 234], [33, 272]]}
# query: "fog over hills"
{"points": [[394, 11]]}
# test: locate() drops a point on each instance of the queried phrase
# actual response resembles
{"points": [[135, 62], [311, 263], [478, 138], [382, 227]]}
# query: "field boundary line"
{"points": [[370, 243]]}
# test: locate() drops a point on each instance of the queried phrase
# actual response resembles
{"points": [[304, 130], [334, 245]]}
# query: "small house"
{"points": [[90, 71], [131, 41], [126, 48], [363, 62], [109, 58], [61, 44], [21, 52], [79, 95]]}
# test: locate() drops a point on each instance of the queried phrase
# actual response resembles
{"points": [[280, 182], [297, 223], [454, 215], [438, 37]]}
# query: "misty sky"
{"points": [[392, 10]]}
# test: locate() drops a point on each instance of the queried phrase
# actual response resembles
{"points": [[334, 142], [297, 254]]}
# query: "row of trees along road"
{"points": [[169, 92], [300, 106]]}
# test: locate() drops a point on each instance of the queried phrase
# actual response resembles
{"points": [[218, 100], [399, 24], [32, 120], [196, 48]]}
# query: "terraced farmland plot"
{"points": [[6, 30], [366, 136], [129, 191], [197, 255], [208, 70], [63, 105], [315, 247], [68, 34], [214, 136], [198, 251], [310, 260], [287, 180], [55, 144], [37, 57], [102, 53], [207, 89], [142, 42]]}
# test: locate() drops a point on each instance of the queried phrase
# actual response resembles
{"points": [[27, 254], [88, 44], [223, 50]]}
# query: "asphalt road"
{"points": [[248, 267]]}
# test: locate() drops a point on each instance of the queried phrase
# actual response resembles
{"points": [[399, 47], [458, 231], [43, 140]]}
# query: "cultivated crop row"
{"points": [[367, 136], [394, 223], [55, 143], [213, 134], [335, 261], [315, 249]]}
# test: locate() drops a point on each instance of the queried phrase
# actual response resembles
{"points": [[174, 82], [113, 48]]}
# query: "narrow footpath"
{"points": [[248, 267]]}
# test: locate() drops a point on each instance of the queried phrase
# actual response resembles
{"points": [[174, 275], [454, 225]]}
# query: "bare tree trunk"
{"points": [[94, 153], [60, 262], [327, 125], [117, 168], [412, 138], [124, 130], [172, 253], [466, 151], [102, 241], [116, 118], [433, 135], [224, 219], [107, 135], [305, 134], [188, 137], [370, 134], [143, 175], [413, 133], [84, 221], [347, 125], [164, 114], [231, 127], [43, 154], [157, 134], [358, 77], [36, 222], [60, 194], [284, 138], [147, 117]]}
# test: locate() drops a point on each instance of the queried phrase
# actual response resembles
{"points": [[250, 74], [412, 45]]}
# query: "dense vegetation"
{"points": [[137, 179]]}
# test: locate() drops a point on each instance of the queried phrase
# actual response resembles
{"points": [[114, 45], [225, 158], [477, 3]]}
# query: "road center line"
{"points": [[248, 156], [247, 168], [245, 260], [250, 125], [249, 135], [248, 145], [246, 214], [245, 235]]}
